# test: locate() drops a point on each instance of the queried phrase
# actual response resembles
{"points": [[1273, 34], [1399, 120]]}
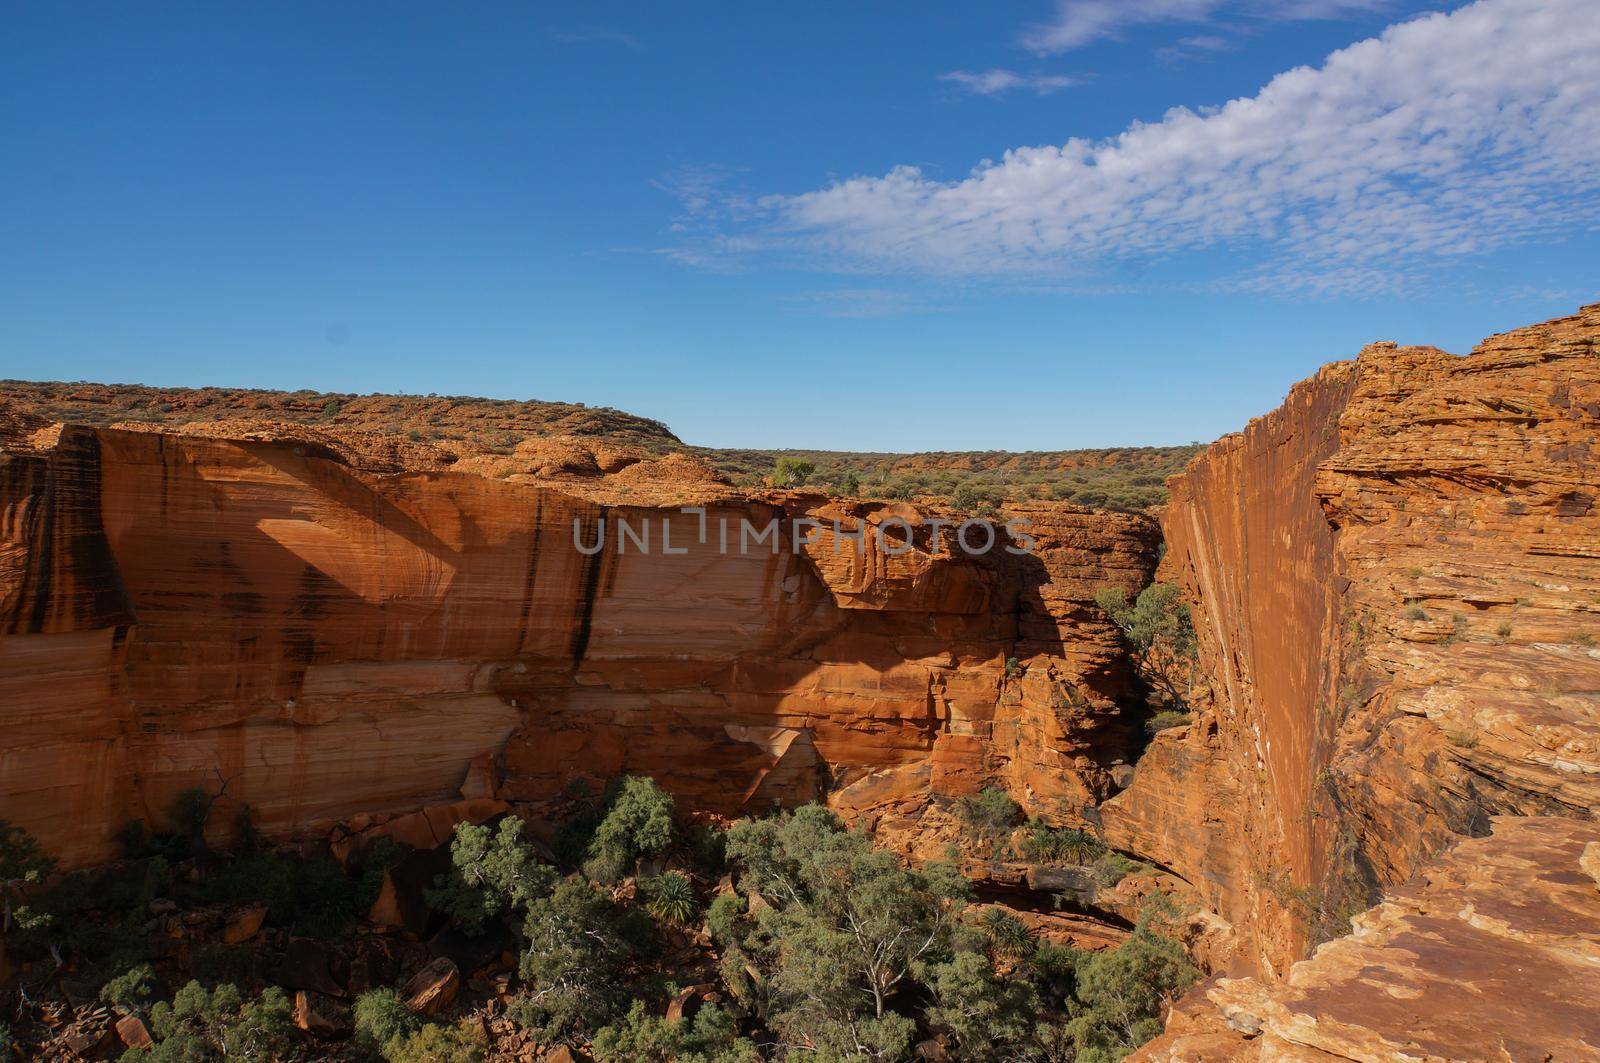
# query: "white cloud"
{"points": [[1207, 42], [1197, 47], [1446, 136], [1080, 22], [998, 82]]}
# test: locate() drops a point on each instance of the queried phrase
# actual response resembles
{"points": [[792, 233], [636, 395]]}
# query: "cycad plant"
{"points": [[1008, 936], [1080, 847], [671, 898]]}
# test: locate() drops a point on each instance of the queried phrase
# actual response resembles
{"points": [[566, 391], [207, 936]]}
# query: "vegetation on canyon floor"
{"points": [[796, 938]]}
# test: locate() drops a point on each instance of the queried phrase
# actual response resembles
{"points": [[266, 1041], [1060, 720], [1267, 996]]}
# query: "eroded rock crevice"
{"points": [[1396, 590]]}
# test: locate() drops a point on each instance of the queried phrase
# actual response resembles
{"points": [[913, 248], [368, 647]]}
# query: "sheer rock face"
{"points": [[1396, 588], [1491, 952], [177, 610]]}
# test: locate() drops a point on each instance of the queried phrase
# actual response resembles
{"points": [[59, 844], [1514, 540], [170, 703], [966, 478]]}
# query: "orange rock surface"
{"points": [[1489, 953], [327, 639], [1396, 588]]}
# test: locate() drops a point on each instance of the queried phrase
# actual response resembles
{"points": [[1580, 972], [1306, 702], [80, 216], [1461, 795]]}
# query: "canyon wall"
{"points": [[266, 617], [1395, 581]]}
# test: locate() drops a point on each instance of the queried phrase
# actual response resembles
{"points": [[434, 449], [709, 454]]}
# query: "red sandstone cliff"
{"points": [[1396, 588], [180, 610]]}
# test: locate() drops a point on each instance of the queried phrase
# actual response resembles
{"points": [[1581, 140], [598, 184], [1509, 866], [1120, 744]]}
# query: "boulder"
{"points": [[685, 1004], [243, 924], [133, 1032], [432, 989], [321, 1016], [402, 897], [564, 1054]]}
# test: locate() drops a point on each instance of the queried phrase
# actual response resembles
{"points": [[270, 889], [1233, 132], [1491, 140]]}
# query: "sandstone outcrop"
{"points": [[1396, 589], [323, 638], [1491, 952]]}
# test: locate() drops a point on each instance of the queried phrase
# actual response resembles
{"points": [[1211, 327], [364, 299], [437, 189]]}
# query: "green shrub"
{"points": [[1158, 619], [1122, 993], [1006, 935], [1054, 961], [988, 813], [1065, 845], [571, 844], [1161, 721], [847, 927], [640, 1037], [22, 864], [1113, 867], [638, 822], [1157, 613], [723, 918], [708, 848], [133, 989], [577, 949], [382, 1017], [436, 1044], [492, 872], [378, 858], [973, 496], [670, 898], [991, 1017], [791, 472], [309, 895], [201, 1025]]}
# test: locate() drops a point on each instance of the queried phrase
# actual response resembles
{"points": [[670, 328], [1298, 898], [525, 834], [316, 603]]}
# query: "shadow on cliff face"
{"points": [[253, 592], [57, 574], [342, 642]]}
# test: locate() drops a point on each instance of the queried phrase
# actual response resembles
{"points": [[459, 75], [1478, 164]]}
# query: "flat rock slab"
{"points": [[1491, 953]]}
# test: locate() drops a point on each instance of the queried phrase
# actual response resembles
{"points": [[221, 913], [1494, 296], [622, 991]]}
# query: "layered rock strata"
{"points": [[1396, 589], [318, 640]]}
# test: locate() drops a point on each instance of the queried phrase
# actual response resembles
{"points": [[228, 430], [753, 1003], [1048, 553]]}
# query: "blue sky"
{"points": [[763, 223]]}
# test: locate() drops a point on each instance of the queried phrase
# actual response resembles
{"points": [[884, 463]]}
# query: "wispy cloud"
{"points": [[1080, 22], [1452, 135], [1206, 42], [1201, 46], [599, 35], [999, 82]]}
